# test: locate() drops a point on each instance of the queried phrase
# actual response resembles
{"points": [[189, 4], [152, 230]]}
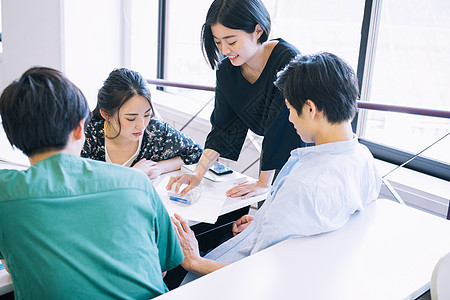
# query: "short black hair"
{"points": [[120, 86], [41, 109], [323, 78], [234, 14]]}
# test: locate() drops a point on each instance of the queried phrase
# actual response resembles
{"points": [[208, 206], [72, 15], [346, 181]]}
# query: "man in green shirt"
{"points": [[74, 228]]}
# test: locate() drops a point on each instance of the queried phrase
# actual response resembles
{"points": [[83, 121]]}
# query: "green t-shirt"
{"points": [[74, 228]]}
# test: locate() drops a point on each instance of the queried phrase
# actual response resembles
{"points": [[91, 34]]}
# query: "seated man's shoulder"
{"points": [[113, 170]]}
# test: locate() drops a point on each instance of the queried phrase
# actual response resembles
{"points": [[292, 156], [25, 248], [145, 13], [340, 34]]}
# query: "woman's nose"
{"points": [[140, 124], [224, 49]]}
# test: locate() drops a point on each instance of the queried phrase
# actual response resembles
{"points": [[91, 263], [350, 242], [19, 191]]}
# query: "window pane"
{"points": [[144, 37], [1, 39], [411, 68], [319, 25], [184, 57], [310, 25]]}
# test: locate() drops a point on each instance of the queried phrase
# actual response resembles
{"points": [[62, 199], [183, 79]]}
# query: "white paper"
{"points": [[206, 209]]}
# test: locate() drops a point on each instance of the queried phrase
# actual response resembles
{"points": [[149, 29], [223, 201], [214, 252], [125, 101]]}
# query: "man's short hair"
{"points": [[323, 78], [40, 109]]}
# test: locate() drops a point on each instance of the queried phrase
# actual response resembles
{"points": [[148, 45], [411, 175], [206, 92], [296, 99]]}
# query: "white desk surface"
{"points": [[230, 204], [6, 285], [387, 251]]}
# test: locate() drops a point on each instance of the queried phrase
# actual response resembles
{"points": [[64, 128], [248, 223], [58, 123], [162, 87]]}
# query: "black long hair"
{"points": [[120, 86], [234, 14]]}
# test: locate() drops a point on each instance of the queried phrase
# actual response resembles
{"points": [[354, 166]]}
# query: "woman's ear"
{"points": [[105, 115], [258, 31]]}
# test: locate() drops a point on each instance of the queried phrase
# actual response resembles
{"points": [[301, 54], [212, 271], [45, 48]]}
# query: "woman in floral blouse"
{"points": [[123, 129]]}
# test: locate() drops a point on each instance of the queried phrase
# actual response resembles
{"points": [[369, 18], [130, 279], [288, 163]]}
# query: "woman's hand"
{"points": [[241, 224], [192, 180], [188, 242], [150, 167], [248, 189]]}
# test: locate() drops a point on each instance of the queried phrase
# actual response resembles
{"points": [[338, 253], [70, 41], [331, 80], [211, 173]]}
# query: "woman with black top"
{"points": [[246, 97]]}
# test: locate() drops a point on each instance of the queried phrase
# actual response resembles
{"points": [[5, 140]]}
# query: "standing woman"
{"points": [[124, 131], [235, 42]]}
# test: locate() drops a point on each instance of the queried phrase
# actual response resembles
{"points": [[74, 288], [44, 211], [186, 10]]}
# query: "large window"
{"points": [[310, 25], [410, 60], [411, 68]]}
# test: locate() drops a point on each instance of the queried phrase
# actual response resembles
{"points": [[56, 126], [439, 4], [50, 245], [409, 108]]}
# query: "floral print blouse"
{"points": [[160, 141]]}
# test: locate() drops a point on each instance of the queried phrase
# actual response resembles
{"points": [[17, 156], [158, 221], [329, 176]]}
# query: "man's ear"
{"points": [[78, 132], [311, 108], [104, 114]]}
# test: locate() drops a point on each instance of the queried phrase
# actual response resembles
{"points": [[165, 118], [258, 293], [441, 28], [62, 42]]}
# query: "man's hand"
{"points": [[188, 243], [241, 224], [192, 262]]}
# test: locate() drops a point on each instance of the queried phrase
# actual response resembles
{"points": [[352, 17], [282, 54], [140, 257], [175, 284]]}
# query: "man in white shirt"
{"points": [[319, 187]]}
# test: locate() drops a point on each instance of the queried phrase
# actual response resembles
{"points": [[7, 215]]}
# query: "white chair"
{"points": [[440, 280]]}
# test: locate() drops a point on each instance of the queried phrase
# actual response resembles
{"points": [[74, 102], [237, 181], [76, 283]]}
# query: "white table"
{"points": [[6, 285], [387, 251], [230, 204]]}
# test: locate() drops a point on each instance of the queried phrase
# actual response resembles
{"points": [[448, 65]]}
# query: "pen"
{"points": [[180, 200]]}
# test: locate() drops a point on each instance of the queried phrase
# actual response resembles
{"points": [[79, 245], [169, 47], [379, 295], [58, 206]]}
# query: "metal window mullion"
{"points": [[160, 64], [368, 50], [126, 34]]}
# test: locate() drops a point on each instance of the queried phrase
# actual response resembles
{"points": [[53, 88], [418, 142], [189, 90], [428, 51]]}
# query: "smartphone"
{"points": [[220, 169]]}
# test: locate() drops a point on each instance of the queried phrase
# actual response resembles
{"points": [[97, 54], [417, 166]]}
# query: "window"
{"points": [[309, 25], [314, 26], [185, 61], [1, 31], [144, 30], [411, 69]]}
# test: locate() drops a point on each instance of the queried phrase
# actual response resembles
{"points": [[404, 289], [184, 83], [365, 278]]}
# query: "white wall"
{"points": [[32, 35], [82, 38], [92, 44]]}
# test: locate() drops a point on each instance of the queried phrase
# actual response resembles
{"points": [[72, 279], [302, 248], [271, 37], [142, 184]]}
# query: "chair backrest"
{"points": [[440, 280]]}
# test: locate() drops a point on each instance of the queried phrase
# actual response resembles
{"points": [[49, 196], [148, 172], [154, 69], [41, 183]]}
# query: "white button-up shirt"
{"points": [[316, 191]]}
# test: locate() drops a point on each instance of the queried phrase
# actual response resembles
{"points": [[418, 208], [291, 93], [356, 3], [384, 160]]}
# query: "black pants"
{"points": [[209, 236], [9, 296]]}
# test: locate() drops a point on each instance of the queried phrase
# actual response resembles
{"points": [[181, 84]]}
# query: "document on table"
{"points": [[206, 209]]}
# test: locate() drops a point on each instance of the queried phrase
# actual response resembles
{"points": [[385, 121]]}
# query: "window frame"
{"points": [[369, 32]]}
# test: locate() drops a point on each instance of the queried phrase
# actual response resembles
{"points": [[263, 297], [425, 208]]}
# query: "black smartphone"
{"points": [[220, 169]]}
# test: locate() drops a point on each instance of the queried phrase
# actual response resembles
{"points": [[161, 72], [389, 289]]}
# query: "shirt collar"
{"points": [[326, 148]]}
